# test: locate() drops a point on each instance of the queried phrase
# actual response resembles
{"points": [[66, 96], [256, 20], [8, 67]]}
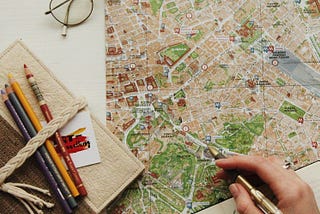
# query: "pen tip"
{"points": [[25, 66], [213, 151]]}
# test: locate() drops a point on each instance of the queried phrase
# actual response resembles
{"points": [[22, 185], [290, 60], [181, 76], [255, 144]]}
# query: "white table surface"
{"points": [[81, 54]]}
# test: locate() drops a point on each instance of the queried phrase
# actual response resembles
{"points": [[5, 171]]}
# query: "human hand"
{"points": [[293, 194]]}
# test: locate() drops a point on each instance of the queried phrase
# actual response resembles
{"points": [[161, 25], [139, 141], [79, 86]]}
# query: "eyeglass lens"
{"points": [[71, 12]]}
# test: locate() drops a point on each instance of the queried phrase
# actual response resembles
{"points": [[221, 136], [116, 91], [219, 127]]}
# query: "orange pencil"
{"points": [[35, 121], [47, 114]]}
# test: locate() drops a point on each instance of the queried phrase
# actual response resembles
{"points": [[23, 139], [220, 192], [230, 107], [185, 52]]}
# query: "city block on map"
{"points": [[181, 75]]}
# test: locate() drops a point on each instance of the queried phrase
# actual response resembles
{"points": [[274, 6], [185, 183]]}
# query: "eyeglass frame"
{"points": [[65, 23]]}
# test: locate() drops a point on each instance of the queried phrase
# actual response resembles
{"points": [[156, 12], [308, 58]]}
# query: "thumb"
{"points": [[243, 200]]}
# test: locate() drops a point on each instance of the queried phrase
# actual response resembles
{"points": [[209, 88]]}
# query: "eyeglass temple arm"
{"points": [[66, 20], [59, 5]]}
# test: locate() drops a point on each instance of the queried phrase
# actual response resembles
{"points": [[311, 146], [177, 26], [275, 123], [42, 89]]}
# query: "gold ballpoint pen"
{"points": [[258, 197]]}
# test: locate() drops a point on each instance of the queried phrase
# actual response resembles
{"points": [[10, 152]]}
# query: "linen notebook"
{"points": [[104, 181]]}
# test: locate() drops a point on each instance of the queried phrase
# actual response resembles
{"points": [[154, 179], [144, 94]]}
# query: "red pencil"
{"points": [[47, 114]]}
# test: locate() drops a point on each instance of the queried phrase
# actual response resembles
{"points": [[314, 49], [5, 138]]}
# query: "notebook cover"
{"points": [[11, 143], [104, 181]]}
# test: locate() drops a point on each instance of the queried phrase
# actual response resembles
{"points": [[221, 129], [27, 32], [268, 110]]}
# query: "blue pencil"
{"points": [[52, 182], [42, 149]]}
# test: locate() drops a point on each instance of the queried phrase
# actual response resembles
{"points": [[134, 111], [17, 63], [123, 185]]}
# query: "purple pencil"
{"points": [[53, 184]]}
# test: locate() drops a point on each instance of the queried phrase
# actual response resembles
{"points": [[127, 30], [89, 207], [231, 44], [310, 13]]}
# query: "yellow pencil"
{"points": [[35, 121]]}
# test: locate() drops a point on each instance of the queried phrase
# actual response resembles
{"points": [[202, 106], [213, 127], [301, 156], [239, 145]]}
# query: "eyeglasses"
{"points": [[70, 12]]}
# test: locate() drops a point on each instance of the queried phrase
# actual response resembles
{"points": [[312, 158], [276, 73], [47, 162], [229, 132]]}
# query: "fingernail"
{"points": [[234, 190], [219, 161]]}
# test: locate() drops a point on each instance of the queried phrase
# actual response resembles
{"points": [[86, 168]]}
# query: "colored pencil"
{"points": [[48, 116], [37, 125], [43, 151], [52, 182]]}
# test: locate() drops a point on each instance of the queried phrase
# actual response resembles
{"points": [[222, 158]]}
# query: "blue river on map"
{"points": [[300, 72]]}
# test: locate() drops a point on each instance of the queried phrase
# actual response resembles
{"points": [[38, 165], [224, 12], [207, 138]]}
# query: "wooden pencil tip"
{"points": [[27, 71], [8, 88], [4, 95]]}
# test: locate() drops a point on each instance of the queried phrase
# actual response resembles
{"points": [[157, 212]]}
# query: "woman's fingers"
{"points": [[243, 200], [271, 172]]}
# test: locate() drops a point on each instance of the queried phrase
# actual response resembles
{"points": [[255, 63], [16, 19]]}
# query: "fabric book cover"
{"points": [[104, 180]]}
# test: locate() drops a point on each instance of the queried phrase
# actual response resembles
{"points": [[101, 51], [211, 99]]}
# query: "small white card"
{"points": [[79, 138]]}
